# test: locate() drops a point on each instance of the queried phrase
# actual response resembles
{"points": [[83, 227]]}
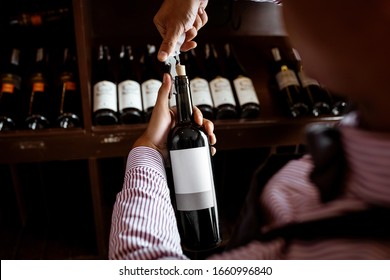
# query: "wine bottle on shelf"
{"points": [[195, 198], [200, 89], [105, 107], [38, 107], [220, 87], [151, 80], [339, 103], [68, 93], [10, 92], [319, 100], [40, 18], [243, 86], [129, 88], [289, 87]]}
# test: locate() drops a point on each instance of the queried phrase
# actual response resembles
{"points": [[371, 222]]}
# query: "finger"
{"points": [[163, 93], [191, 34], [213, 150], [203, 16], [198, 22], [198, 116], [169, 43], [188, 46], [209, 129]]}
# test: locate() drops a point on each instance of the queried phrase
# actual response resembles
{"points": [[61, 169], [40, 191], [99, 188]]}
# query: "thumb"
{"points": [[165, 89]]}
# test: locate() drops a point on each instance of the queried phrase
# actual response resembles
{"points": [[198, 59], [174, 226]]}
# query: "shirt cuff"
{"points": [[143, 156]]}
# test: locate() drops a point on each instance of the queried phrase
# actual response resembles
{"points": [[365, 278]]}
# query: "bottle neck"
{"points": [[183, 100]]}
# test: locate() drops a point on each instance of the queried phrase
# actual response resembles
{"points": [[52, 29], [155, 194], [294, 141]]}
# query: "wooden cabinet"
{"points": [[252, 27]]}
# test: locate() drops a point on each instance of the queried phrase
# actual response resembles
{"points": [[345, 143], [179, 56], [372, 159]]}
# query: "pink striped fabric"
{"points": [[144, 226]]}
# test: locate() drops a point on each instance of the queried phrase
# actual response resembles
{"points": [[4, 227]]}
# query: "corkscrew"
{"points": [[172, 61]]}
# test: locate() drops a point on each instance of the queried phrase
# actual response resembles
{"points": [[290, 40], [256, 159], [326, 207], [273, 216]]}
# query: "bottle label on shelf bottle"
{"points": [[286, 78], [104, 94], [193, 179], [129, 95], [222, 92], [307, 81], [149, 93], [38, 86], [200, 91], [7, 88], [245, 90]]}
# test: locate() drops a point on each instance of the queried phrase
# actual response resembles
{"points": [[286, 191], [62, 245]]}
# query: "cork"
{"points": [[180, 70]]}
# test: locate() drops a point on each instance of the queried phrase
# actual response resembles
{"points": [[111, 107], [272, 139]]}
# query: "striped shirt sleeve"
{"points": [[143, 220]]}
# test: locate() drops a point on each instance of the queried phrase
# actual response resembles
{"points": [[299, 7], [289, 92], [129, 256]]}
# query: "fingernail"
{"points": [[162, 56], [201, 10]]}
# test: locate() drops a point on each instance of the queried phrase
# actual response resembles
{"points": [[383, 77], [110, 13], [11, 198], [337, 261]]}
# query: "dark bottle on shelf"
{"points": [[200, 89], [195, 199], [38, 106], [319, 99], [289, 87], [220, 87], [339, 103], [105, 107], [40, 18], [68, 92], [10, 85], [150, 80], [243, 86], [129, 89]]}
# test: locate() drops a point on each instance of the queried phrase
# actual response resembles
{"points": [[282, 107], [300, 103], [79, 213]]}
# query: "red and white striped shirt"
{"points": [[144, 224]]}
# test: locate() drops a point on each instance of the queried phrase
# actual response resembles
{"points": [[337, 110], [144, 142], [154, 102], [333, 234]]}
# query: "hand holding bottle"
{"points": [[176, 17], [163, 119]]}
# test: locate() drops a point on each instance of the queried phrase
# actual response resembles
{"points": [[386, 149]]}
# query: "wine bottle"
{"points": [[105, 107], [40, 18], [195, 199], [289, 86], [200, 89], [339, 103], [151, 80], [243, 86], [38, 108], [220, 87], [319, 100], [68, 92], [129, 89], [9, 92]]}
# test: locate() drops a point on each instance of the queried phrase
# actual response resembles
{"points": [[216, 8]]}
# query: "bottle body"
{"points": [[200, 89], [10, 86], [195, 198], [151, 82], [105, 106], [129, 89], [68, 92], [289, 87], [244, 89], [220, 87], [38, 107], [317, 98]]}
